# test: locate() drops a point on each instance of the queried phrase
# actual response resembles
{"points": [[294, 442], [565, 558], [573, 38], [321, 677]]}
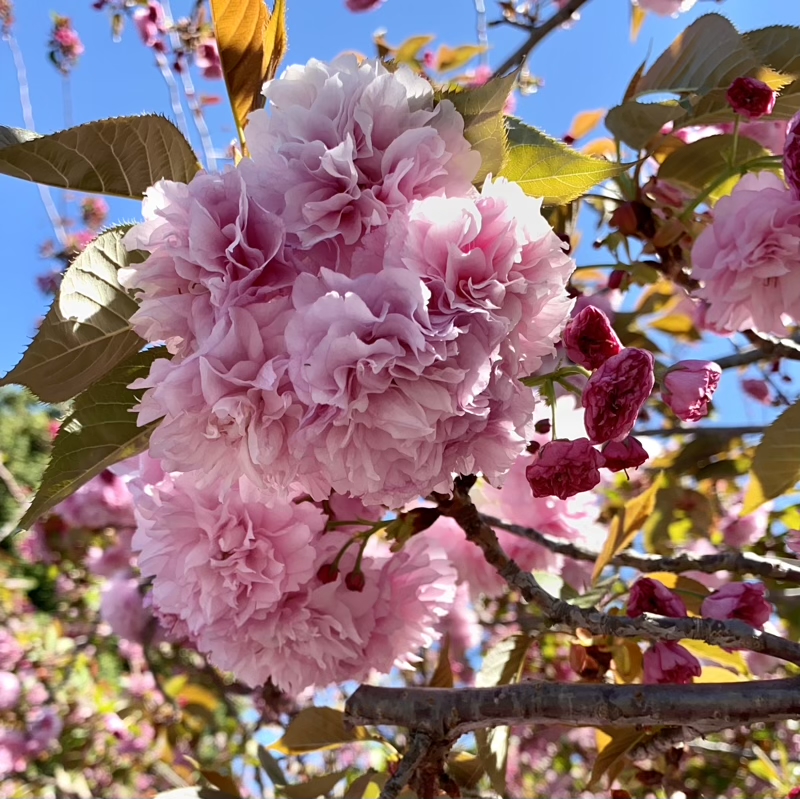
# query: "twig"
{"points": [[781, 348], [564, 617], [447, 713], [418, 747], [732, 432], [666, 739], [537, 34], [734, 561], [27, 115]]}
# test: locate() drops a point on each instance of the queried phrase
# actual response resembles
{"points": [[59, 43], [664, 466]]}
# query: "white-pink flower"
{"points": [[342, 145], [665, 8], [122, 608], [104, 501], [749, 257]]}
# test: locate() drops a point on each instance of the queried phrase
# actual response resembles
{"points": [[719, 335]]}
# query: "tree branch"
{"points": [[734, 561], [537, 34], [418, 748], [733, 431], [447, 713], [562, 616]]}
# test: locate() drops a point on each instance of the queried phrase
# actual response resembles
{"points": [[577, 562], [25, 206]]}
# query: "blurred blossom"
{"points": [[759, 390], [207, 60], [669, 662], [741, 531], [65, 46], [44, 729], [13, 753], [94, 211], [10, 650], [10, 690], [743, 601]]}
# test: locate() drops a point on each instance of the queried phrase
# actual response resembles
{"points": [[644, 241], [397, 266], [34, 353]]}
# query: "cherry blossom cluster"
{"points": [[349, 319]]}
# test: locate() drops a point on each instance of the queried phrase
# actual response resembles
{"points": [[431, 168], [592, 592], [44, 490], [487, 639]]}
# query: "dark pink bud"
{"points": [[327, 573], [542, 427], [564, 468], [759, 390], [688, 387], [617, 278], [615, 393], [589, 338], [751, 98], [651, 596], [668, 662], [743, 601], [355, 581], [791, 157], [625, 454], [362, 5]]}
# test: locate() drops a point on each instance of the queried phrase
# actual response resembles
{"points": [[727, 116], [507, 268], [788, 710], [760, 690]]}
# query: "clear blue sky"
{"points": [[584, 68]]}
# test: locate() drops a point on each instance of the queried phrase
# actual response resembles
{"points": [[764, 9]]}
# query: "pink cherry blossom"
{"points": [[744, 601], [564, 468], [589, 338], [652, 596], [669, 662], [688, 386], [625, 454], [10, 690], [102, 502], [13, 752], [344, 145], [665, 8], [10, 650], [212, 244], [207, 60], [44, 729], [742, 531], [122, 608], [759, 390], [615, 393], [751, 98], [791, 157], [748, 258], [151, 23]]}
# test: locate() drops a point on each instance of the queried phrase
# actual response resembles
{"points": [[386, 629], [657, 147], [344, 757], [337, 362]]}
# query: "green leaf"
{"points": [[271, 766], [484, 125], [449, 58], [776, 466], [550, 169], [700, 163], [778, 46], [636, 123], [100, 431], [192, 793], [316, 729], [367, 786], [612, 746], [503, 663], [314, 787], [86, 331], [122, 157]]}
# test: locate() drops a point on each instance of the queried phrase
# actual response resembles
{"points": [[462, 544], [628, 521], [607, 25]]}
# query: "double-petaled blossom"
{"points": [[688, 386], [122, 607], [791, 157], [564, 468], [651, 596], [625, 454], [748, 259], [669, 662], [751, 98], [615, 394], [589, 338], [743, 601]]}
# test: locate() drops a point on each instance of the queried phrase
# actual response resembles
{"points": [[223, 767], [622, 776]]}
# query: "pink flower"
{"points": [[122, 609], [564, 468], [94, 211], [44, 729], [102, 502], [589, 338], [665, 8], [65, 45], [741, 531], [651, 596], [688, 387], [10, 690], [669, 662], [770, 134], [344, 145], [462, 625], [743, 601], [212, 245], [625, 454], [151, 23], [791, 157], [748, 258], [793, 541], [759, 390], [615, 393], [222, 562], [751, 97], [10, 650], [207, 60], [13, 752], [363, 5]]}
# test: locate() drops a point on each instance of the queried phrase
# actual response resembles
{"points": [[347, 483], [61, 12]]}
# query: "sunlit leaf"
{"points": [[626, 525], [716, 654], [585, 122], [612, 747], [691, 592], [86, 331], [408, 51], [776, 466], [778, 46], [493, 755], [550, 169], [316, 729], [465, 768], [276, 40], [443, 674], [503, 662], [122, 157], [367, 786], [450, 58], [313, 787], [222, 782], [716, 674], [484, 123], [100, 431], [638, 15]]}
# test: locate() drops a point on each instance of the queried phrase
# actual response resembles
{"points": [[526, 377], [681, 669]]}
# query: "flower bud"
{"points": [[688, 387], [542, 427], [355, 581], [589, 338], [327, 573], [751, 98], [651, 596], [758, 390], [615, 393], [634, 219], [625, 454], [618, 279], [743, 601], [564, 468]]}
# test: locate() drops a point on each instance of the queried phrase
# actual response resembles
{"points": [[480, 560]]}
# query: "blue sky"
{"points": [[584, 68]]}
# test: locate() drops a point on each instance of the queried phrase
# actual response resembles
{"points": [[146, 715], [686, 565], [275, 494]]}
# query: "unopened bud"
{"points": [[355, 581], [327, 573]]}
